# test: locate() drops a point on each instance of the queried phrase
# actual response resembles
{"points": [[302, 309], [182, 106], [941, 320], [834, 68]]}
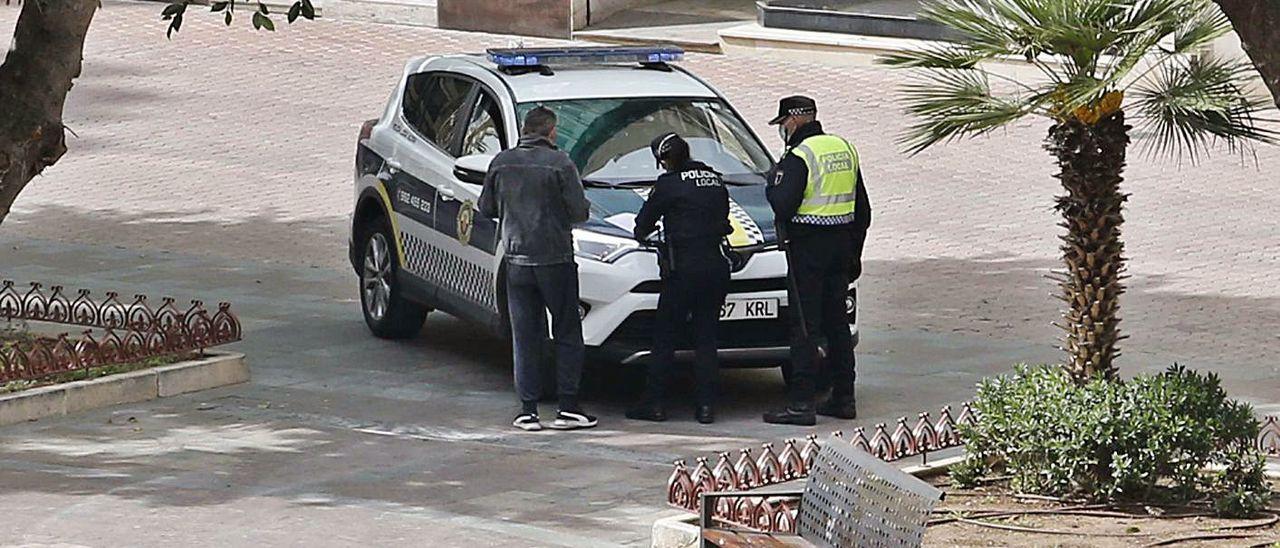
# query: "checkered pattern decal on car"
{"points": [[449, 271], [745, 230]]}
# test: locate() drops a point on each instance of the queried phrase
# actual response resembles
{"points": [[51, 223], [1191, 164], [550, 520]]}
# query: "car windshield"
{"points": [[609, 139]]}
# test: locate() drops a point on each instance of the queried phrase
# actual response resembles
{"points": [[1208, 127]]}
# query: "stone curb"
{"points": [[681, 530], [213, 370]]}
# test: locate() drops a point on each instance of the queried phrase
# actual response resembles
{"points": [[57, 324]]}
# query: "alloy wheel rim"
{"points": [[375, 277]]}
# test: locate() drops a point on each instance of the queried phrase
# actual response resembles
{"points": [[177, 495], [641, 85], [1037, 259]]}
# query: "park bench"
{"points": [[849, 499]]}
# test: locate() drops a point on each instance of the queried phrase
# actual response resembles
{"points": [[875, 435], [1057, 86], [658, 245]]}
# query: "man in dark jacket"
{"points": [[693, 205], [534, 191], [824, 216]]}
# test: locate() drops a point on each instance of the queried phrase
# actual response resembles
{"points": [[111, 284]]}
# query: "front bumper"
{"points": [[622, 297]]}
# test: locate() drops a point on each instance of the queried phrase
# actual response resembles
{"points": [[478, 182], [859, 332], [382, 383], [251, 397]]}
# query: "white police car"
{"points": [[418, 244]]}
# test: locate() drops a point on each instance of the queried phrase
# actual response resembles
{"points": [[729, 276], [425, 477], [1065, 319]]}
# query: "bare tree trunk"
{"points": [[48, 45], [1258, 24]]}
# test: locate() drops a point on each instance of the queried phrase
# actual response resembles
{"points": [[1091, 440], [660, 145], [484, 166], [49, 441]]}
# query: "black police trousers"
{"points": [[820, 262], [691, 297]]}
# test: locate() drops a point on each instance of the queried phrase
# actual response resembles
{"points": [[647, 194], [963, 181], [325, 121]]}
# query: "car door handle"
{"points": [[445, 193]]}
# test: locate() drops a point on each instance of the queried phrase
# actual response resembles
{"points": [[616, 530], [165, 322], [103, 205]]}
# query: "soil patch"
{"points": [[992, 516]]}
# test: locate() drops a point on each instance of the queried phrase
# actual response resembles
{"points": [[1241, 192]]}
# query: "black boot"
{"points": [[647, 411], [797, 415], [705, 414], [838, 407]]}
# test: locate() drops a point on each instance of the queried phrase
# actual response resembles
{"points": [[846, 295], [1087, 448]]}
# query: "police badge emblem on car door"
{"points": [[466, 220]]}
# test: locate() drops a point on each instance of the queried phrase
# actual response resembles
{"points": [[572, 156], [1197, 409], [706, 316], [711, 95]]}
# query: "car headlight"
{"points": [[601, 247]]}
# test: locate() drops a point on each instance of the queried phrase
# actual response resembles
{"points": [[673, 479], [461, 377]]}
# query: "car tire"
{"points": [[387, 313]]}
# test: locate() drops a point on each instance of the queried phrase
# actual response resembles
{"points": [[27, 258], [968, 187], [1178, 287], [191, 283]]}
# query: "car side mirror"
{"points": [[472, 168]]}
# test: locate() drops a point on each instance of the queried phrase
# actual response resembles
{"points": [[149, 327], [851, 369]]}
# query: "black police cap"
{"points": [[662, 145], [795, 105]]}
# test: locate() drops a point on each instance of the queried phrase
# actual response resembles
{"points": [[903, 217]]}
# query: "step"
{"points": [[701, 37], [753, 40]]}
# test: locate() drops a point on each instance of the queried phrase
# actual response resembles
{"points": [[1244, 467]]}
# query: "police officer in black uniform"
{"points": [[821, 205], [693, 204]]}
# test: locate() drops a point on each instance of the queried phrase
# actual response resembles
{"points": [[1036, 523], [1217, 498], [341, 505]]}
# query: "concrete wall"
{"points": [[396, 12], [588, 12], [549, 18]]}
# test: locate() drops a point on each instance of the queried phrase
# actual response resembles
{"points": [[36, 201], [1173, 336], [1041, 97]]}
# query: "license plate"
{"points": [[749, 309]]}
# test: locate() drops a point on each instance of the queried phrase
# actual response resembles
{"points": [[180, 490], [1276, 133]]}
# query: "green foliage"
{"points": [[1084, 50], [966, 473], [1150, 439], [261, 18]]}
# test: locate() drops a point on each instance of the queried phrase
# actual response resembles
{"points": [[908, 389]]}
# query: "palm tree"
{"points": [[1097, 58]]}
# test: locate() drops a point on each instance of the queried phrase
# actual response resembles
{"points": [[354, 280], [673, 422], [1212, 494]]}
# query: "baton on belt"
{"points": [[793, 289]]}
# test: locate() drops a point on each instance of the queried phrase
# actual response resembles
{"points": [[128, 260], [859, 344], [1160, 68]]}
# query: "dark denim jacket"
{"points": [[534, 191]]}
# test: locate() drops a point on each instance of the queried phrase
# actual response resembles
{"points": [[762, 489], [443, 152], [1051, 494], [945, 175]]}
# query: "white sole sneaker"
{"points": [[573, 421], [527, 425]]}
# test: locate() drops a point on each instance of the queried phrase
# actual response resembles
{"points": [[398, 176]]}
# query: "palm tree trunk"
{"points": [[44, 59], [1091, 159]]}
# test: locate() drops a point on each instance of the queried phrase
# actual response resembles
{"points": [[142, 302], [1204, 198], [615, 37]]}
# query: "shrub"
{"points": [[1149, 439]]}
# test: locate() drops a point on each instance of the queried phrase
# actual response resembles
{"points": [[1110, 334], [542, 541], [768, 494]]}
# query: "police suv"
{"points": [[418, 243]]}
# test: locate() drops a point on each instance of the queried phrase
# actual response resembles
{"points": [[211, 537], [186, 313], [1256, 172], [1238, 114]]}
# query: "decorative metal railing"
{"points": [[778, 514], [767, 513], [1269, 437], [128, 333]]}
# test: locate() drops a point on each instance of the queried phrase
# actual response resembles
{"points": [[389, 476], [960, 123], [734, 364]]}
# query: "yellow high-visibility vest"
{"points": [[832, 190]]}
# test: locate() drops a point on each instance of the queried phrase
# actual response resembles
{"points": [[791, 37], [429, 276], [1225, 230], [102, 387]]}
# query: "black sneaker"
{"points": [[788, 415], [573, 420], [840, 408], [527, 422], [647, 412]]}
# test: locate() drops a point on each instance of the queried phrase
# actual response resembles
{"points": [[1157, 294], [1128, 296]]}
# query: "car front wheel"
{"points": [[387, 313]]}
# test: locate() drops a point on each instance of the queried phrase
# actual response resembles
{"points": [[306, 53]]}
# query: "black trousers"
{"points": [[691, 298], [820, 262], [532, 293]]}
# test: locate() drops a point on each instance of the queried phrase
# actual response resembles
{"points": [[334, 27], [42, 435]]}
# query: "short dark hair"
{"points": [[539, 121]]}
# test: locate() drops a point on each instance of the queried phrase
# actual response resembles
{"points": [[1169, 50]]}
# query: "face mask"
{"points": [[782, 132]]}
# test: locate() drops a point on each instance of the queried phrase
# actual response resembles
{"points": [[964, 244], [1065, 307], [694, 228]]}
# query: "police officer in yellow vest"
{"points": [[823, 214]]}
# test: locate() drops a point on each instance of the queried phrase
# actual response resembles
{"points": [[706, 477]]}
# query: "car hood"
{"points": [[613, 212]]}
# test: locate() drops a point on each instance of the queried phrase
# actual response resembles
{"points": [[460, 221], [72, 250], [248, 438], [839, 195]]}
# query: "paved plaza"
{"points": [[218, 165]]}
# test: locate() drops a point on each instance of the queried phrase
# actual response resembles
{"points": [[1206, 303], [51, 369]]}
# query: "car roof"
{"points": [[598, 81]]}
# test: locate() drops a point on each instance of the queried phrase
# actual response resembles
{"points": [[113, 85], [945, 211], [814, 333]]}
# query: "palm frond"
{"points": [[1194, 103], [984, 30], [956, 103], [1202, 23], [1084, 34], [934, 56]]}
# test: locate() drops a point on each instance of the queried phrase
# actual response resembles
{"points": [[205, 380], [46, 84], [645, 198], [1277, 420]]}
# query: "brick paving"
{"points": [[231, 142]]}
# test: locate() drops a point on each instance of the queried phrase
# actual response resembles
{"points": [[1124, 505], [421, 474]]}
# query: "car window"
{"points": [[484, 130], [432, 104], [608, 139]]}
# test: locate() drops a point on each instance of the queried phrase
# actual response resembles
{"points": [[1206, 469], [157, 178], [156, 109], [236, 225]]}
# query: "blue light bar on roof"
{"points": [[531, 57]]}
